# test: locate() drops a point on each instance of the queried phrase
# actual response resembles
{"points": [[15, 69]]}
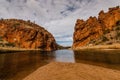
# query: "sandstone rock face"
{"points": [[25, 34], [93, 28]]}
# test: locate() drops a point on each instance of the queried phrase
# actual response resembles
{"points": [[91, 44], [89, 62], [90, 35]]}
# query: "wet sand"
{"points": [[73, 71]]}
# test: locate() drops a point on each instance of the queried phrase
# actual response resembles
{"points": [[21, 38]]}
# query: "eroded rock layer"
{"points": [[25, 34], [94, 28]]}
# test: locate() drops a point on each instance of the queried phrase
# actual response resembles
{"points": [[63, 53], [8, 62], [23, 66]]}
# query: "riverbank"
{"points": [[103, 47], [73, 71], [111, 46], [15, 49]]}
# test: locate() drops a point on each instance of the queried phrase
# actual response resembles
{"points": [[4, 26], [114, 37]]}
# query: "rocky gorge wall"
{"points": [[25, 34], [94, 28]]}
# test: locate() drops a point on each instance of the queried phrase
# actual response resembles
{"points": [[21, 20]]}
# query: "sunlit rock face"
{"points": [[25, 34], [94, 28]]}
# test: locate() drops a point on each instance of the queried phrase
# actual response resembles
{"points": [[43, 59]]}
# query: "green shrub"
{"points": [[1, 19], [104, 38], [16, 25], [118, 23], [118, 34], [1, 38], [10, 44], [106, 31]]}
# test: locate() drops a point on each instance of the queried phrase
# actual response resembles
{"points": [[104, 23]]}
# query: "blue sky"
{"points": [[57, 16]]}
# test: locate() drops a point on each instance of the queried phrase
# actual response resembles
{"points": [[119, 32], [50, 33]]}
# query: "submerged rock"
{"points": [[25, 34], [93, 28]]}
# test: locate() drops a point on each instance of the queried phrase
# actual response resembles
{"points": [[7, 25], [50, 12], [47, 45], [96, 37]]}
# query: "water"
{"points": [[16, 66]]}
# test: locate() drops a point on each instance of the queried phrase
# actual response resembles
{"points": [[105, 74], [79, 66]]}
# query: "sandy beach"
{"points": [[73, 71]]}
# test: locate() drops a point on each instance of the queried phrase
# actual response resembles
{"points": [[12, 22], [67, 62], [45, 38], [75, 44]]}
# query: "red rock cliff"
{"points": [[93, 28], [25, 34]]}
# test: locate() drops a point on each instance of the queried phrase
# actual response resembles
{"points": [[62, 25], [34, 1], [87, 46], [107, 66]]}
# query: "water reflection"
{"points": [[64, 56], [16, 66], [106, 56]]}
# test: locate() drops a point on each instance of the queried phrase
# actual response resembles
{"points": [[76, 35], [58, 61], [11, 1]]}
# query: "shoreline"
{"points": [[103, 47], [15, 49]]}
